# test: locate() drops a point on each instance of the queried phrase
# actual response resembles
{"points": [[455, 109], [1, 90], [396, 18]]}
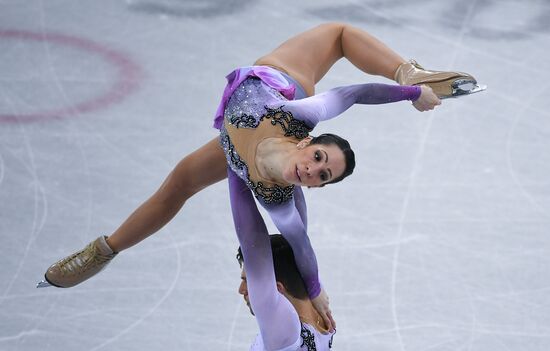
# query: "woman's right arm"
{"points": [[290, 218]]}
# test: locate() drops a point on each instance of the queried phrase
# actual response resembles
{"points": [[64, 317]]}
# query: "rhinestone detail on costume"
{"points": [[246, 109], [243, 121], [291, 126], [308, 339], [275, 194]]}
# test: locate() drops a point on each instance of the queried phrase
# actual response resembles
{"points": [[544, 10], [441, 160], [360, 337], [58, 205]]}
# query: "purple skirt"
{"points": [[270, 76]]}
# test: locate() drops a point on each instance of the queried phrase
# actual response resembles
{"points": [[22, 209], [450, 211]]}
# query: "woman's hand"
{"points": [[321, 305], [427, 100]]}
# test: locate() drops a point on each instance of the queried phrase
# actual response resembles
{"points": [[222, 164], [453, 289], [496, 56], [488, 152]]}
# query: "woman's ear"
{"points": [[304, 142], [281, 288]]}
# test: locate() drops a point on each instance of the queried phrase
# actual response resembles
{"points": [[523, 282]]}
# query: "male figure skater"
{"points": [[271, 283]]}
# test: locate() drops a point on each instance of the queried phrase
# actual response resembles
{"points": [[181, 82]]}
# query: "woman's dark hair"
{"points": [[343, 144], [285, 267]]}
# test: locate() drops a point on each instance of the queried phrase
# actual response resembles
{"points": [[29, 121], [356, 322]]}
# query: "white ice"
{"points": [[439, 241]]}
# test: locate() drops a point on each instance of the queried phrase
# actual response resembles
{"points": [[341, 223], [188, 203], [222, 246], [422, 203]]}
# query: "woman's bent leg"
{"points": [[308, 56]]}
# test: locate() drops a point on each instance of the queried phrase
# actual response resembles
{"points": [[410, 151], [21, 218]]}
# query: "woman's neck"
{"points": [[271, 157]]}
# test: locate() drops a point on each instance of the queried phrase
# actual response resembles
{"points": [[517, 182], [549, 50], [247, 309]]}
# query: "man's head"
{"points": [[286, 272]]}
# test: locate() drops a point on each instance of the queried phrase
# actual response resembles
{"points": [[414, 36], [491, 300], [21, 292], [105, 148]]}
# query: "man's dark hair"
{"points": [[343, 144], [286, 271]]}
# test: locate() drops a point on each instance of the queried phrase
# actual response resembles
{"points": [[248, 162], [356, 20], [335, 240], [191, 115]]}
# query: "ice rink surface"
{"points": [[439, 241]]}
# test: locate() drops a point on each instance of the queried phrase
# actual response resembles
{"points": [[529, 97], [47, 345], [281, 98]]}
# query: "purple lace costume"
{"points": [[254, 95], [257, 94], [280, 326]]}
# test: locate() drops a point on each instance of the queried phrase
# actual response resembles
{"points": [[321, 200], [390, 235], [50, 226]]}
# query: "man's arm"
{"points": [[278, 321]]}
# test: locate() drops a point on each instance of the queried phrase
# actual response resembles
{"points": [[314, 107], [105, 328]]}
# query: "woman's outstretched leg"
{"points": [[308, 56], [206, 166]]}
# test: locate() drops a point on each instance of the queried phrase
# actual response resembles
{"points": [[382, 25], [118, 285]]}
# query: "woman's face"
{"points": [[315, 165]]}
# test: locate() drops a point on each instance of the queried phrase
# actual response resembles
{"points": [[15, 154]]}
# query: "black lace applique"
{"points": [[243, 121], [275, 194], [291, 126], [270, 195], [308, 339], [234, 157]]}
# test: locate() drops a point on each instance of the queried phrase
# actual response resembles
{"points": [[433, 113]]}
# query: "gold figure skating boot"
{"points": [[444, 84], [78, 267]]}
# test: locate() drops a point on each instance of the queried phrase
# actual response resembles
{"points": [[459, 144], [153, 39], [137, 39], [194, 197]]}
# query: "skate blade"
{"points": [[43, 284], [465, 87]]}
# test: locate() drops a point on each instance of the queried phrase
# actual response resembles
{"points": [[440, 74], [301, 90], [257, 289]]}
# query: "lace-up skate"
{"points": [[444, 84], [78, 267]]}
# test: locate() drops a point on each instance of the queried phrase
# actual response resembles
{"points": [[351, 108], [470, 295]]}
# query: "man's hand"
{"points": [[321, 305], [427, 100]]}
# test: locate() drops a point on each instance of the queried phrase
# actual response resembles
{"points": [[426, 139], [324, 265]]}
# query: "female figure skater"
{"points": [[265, 117]]}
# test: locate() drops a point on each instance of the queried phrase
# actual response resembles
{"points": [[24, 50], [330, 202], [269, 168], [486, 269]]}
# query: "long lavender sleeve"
{"points": [[301, 206], [277, 319], [289, 218], [330, 104]]}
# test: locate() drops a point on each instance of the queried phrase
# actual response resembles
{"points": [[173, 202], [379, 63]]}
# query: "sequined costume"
{"points": [[279, 323], [257, 104]]}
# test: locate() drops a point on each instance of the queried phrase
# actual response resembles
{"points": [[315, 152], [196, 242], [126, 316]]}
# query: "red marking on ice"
{"points": [[126, 82]]}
